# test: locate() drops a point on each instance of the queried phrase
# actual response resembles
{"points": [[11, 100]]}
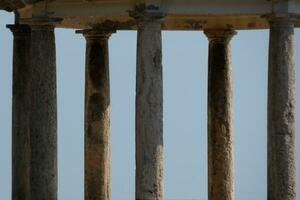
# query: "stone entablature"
{"points": [[179, 14]]}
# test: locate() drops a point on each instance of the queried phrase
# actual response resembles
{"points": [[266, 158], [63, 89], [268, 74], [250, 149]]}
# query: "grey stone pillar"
{"points": [[20, 113], [43, 111], [220, 136], [97, 116], [149, 111], [281, 110]]}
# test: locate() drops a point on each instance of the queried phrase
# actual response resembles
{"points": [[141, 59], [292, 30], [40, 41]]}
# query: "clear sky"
{"points": [[185, 123]]}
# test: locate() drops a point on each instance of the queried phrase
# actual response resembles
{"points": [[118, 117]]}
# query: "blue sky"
{"points": [[185, 97]]}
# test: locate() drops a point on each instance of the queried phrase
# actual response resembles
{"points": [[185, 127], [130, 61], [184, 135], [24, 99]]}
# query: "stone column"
{"points": [[43, 111], [20, 113], [149, 111], [281, 110], [97, 116], [220, 134]]}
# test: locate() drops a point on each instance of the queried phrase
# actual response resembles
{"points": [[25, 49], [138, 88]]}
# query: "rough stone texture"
{"points": [[220, 136], [43, 114], [97, 116], [11, 5], [149, 112], [20, 113], [281, 111]]}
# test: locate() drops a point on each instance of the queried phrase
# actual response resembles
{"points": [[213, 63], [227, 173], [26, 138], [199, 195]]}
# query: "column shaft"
{"points": [[281, 111], [43, 138], [97, 117], [220, 136], [149, 113], [20, 113]]}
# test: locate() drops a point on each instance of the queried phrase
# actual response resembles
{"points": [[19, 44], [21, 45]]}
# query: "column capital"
{"points": [[19, 29], [219, 35], [143, 14], [282, 20], [96, 33], [41, 23]]}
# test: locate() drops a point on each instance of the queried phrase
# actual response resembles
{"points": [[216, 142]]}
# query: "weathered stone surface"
{"points": [[281, 110], [180, 14], [149, 112], [97, 116], [20, 113], [10, 5], [43, 114], [220, 134]]}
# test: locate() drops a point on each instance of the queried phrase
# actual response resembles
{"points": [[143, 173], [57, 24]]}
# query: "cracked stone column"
{"points": [[149, 111], [43, 111], [97, 116], [281, 110], [220, 134], [20, 112]]}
